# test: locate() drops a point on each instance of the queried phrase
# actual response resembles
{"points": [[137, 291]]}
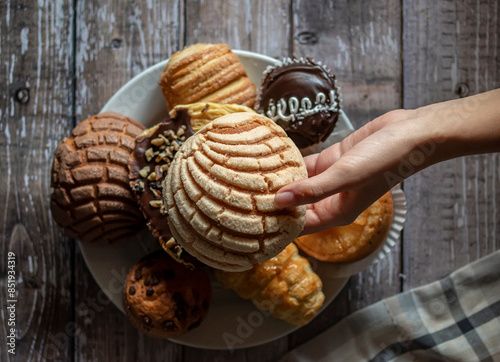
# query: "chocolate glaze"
{"points": [[147, 190], [301, 79]]}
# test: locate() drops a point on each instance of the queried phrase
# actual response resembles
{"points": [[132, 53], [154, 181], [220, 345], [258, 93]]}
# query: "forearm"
{"points": [[347, 177], [463, 127]]}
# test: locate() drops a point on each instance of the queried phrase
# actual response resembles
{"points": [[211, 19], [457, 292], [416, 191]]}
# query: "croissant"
{"points": [[284, 285]]}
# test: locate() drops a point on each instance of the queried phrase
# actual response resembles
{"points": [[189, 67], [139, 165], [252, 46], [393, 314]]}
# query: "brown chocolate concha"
{"points": [[154, 150], [300, 95], [91, 198]]}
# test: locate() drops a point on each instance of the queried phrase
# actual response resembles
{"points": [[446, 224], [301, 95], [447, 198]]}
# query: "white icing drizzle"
{"points": [[278, 110]]}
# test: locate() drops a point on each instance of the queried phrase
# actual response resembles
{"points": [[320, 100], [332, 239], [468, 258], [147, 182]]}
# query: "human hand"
{"points": [[349, 176]]}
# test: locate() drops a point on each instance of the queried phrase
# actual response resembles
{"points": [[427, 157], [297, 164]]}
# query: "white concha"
{"points": [[220, 188]]}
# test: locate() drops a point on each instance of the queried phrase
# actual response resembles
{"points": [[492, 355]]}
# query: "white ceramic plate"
{"points": [[231, 322]]}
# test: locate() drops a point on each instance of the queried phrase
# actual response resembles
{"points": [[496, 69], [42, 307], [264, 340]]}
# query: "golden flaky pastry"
{"points": [[220, 189], [206, 73], [285, 285], [202, 113], [354, 241]]}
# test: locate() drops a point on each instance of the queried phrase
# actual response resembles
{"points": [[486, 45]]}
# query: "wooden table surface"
{"points": [[60, 61]]}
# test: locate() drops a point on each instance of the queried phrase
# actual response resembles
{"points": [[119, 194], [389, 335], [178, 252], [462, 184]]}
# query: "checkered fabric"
{"points": [[454, 319]]}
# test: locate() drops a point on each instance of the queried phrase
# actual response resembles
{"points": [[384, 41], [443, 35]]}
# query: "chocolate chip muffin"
{"points": [[163, 298]]}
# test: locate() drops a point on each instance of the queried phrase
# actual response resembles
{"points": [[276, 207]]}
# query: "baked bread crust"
{"points": [[91, 199], [355, 241], [202, 113], [163, 298], [285, 285], [206, 73], [220, 188]]}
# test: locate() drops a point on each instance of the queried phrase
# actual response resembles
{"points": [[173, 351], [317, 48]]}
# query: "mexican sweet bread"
{"points": [[220, 188], [355, 241], [206, 73], [91, 197], [284, 285]]}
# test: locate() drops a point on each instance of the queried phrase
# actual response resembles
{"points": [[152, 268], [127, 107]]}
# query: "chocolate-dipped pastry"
{"points": [[300, 95], [154, 151]]}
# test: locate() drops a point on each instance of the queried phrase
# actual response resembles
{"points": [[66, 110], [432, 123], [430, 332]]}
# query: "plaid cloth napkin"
{"points": [[454, 319]]}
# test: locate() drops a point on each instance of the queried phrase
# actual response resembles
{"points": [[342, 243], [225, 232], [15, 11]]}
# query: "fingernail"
{"points": [[284, 199]]}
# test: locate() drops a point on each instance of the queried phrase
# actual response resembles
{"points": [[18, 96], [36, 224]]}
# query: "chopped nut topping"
{"points": [[170, 243], [158, 172], [156, 193], [155, 203], [165, 167], [144, 171], [161, 157], [157, 141], [180, 132], [152, 176], [137, 186], [171, 135], [149, 154], [167, 141]]}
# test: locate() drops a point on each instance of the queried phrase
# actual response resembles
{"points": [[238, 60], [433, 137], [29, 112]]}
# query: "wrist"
{"points": [[462, 127]]}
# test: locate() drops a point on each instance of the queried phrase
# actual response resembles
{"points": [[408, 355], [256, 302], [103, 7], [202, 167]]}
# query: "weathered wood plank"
{"points": [[360, 43], [259, 26], [451, 49], [116, 41], [35, 113]]}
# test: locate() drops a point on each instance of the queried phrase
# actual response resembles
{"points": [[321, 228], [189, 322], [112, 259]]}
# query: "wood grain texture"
{"points": [[115, 41], [73, 56], [259, 26], [451, 49], [36, 56], [360, 44]]}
